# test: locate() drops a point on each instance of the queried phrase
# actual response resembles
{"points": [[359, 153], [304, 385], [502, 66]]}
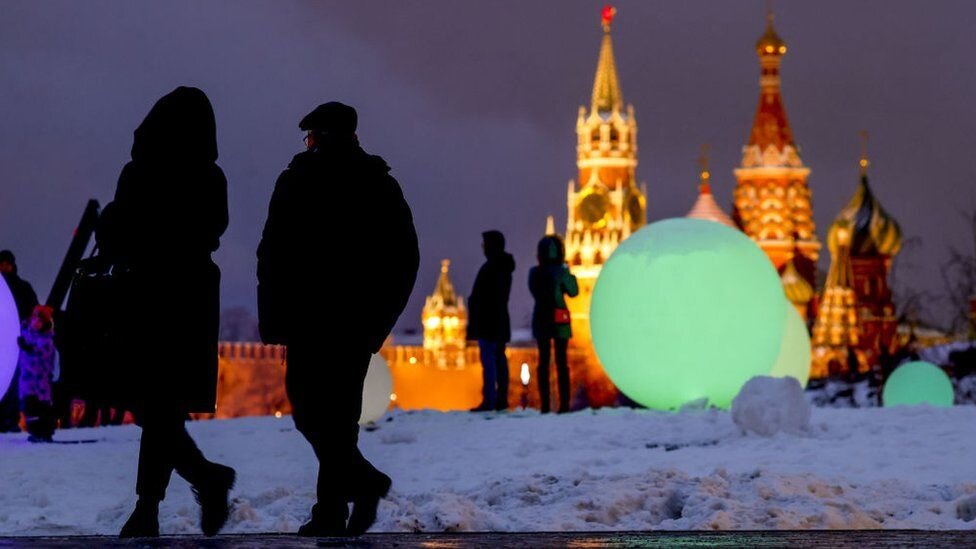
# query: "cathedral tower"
{"points": [[605, 205], [772, 201], [445, 321]]}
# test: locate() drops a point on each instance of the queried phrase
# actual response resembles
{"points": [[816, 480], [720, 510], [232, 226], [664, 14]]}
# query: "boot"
{"points": [[325, 524], [364, 505], [144, 521], [212, 497]]}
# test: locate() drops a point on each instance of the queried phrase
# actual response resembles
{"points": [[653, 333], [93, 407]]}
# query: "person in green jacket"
{"points": [[549, 283]]}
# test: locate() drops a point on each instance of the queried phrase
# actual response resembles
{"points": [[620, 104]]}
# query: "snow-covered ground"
{"points": [[611, 469]]}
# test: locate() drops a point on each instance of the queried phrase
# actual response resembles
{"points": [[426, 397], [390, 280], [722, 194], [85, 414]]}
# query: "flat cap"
{"points": [[332, 117]]}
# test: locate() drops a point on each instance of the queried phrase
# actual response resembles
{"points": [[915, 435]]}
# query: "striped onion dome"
{"points": [[797, 289], [873, 231]]}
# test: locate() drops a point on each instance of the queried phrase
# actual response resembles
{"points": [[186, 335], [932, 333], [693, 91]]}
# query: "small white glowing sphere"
{"points": [[687, 309], [377, 390], [794, 352], [9, 332], [918, 383]]}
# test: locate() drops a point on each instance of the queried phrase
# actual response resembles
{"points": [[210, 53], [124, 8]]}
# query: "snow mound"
{"points": [[768, 405]]}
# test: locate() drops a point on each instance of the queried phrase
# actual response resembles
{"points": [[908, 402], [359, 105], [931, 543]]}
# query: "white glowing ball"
{"points": [[794, 352], [687, 309], [377, 390], [9, 332]]}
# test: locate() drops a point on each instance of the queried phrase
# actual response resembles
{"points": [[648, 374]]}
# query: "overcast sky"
{"points": [[474, 105]]}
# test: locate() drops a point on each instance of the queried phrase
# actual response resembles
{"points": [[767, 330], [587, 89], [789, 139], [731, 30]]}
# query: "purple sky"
{"points": [[474, 105]]}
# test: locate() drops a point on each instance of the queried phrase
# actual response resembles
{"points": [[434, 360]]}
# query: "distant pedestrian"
{"points": [[25, 299], [169, 212], [549, 283], [336, 265], [488, 321], [36, 364]]}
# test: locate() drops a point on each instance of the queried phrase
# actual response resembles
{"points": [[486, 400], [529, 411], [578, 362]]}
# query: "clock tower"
{"points": [[605, 204]]}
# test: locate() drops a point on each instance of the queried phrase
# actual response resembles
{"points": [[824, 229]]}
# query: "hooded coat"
{"points": [[339, 255], [550, 282], [169, 211], [488, 317]]}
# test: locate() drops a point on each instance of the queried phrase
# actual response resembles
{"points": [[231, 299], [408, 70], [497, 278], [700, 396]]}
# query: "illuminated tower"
{"points": [[772, 201], [606, 205], [445, 321], [836, 332], [876, 239], [705, 206]]}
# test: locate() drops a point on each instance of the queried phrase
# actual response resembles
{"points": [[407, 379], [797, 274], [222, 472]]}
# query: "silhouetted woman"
{"points": [[169, 211], [549, 283]]}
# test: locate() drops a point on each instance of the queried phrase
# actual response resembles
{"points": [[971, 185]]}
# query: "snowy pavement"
{"points": [[615, 469]]}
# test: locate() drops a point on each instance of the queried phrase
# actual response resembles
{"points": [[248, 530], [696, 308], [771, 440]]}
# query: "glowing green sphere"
{"points": [[376, 390], [9, 332], [918, 383], [687, 309], [794, 351]]}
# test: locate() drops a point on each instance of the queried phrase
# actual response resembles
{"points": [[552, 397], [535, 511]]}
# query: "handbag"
{"points": [[561, 317]]}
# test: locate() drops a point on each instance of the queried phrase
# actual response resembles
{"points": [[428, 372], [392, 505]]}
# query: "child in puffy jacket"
{"points": [[36, 365]]}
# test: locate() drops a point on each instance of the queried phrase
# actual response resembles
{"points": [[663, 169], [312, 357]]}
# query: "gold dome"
{"points": [[797, 289], [770, 43], [872, 230]]}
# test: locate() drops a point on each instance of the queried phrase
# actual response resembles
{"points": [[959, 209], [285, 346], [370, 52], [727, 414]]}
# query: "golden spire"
{"points": [[550, 226], [606, 86], [863, 134], [770, 43], [704, 186]]}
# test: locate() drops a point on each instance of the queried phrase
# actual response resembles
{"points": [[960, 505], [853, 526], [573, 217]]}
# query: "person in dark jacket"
{"points": [[488, 321], [169, 211], [336, 264], [25, 299], [549, 283]]}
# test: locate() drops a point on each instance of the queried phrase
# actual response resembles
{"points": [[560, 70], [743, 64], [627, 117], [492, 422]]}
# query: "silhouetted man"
{"points": [[336, 264], [488, 321], [25, 299]]}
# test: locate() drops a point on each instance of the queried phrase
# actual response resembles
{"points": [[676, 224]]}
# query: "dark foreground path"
{"points": [[582, 540]]}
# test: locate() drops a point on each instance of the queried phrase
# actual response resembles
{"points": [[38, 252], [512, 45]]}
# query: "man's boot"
{"points": [[144, 521], [326, 521], [364, 505], [212, 496]]}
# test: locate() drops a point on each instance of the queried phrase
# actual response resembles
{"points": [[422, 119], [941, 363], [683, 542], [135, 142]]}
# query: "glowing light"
{"points": [[393, 397], [794, 351], [918, 383], [607, 14], [413, 360], [687, 309], [9, 332], [377, 390], [524, 374], [278, 414]]}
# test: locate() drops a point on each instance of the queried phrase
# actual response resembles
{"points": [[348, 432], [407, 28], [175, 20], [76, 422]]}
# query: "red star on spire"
{"points": [[607, 15]]}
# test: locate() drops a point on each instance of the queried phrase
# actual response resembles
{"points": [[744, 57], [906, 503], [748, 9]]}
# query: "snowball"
{"points": [[767, 405]]}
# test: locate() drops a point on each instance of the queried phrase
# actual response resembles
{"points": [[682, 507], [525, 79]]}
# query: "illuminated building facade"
{"points": [[772, 201], [445, 321], [836, 331]]}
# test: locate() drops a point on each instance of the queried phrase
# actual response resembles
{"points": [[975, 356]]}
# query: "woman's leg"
{"points": [[501, 375], [562, 373], [542, 373]]}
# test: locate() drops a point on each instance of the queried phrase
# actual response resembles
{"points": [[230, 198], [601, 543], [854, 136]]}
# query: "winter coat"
{"points": [[488, 304], [36, 364], [339, 256], [23, 293], [549, 284], [169, 212]]}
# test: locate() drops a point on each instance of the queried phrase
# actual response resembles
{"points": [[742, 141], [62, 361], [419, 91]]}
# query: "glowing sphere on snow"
{"points": [[918, 383], [794, 351], [9, 332], [687, 309], [376, 390]]}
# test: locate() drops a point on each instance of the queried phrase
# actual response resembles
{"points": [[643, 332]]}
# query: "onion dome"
{"points": [[797, 289], [770, 43], [872, 230]]}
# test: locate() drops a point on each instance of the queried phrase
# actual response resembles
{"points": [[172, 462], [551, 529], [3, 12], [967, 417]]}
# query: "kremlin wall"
{"points": [[850, 313]]}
